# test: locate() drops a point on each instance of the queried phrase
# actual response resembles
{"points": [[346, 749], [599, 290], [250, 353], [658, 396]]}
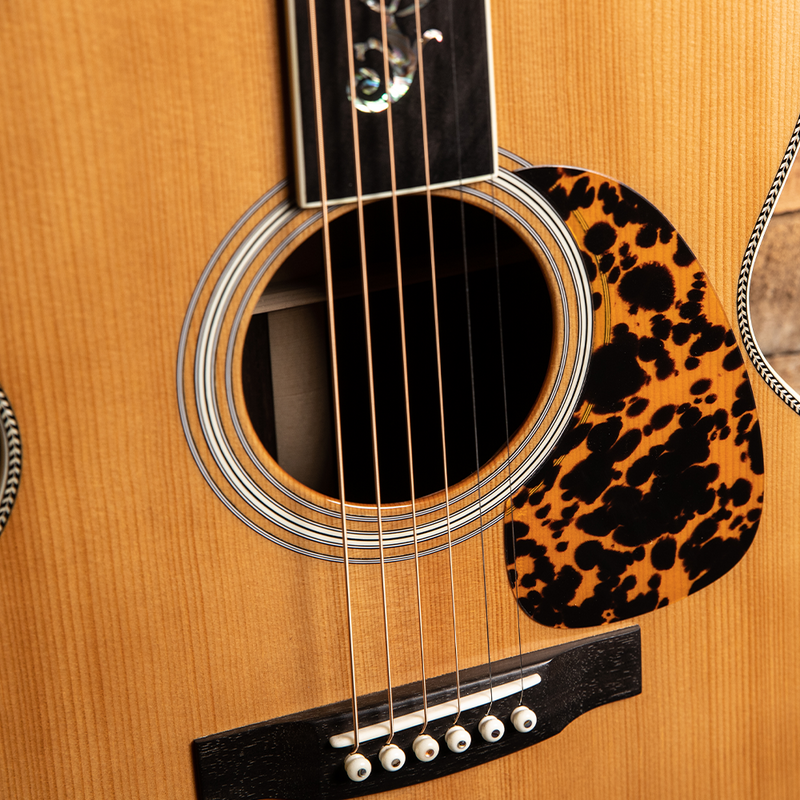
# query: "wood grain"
{"points": [[136, 613]]}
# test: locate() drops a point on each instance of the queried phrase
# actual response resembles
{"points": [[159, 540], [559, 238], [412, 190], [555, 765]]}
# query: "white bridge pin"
{"points": [[426, 748], [357, 767], [491, 728], [391, 757], [523, 719], [458, 739]]}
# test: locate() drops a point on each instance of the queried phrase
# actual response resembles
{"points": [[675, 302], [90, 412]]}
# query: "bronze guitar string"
{"points": [[312, 14], [435, 302], [471, 361], [370, 371], [505, 421], [401, 308]]}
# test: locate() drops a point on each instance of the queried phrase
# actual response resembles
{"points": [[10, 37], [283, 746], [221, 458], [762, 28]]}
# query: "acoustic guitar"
{"points": [[546, 582]]}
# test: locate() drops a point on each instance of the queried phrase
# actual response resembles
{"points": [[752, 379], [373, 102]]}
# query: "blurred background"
{"points": [[775, 286]]}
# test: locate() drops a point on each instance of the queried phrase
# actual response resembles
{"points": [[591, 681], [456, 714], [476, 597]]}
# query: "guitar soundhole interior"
{"points": [[286, 362]]}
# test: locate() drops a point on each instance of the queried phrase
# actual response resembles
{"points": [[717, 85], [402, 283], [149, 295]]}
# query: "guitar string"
{"points": [[507, 431], [471, 357], [323, 193], [404, 350], [435, 299], [370, 371]]}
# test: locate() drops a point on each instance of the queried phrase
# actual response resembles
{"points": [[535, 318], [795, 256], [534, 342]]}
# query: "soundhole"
{"points": [[495, 326]]}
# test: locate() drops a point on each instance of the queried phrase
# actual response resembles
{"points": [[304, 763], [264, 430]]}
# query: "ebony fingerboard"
{"points": [[458, 92]]}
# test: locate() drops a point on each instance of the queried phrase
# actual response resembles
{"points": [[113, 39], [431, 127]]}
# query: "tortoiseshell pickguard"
{"points": [[655, 490]]}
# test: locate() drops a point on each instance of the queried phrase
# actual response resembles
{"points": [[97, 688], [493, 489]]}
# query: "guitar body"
{"points": [[137, 613]]}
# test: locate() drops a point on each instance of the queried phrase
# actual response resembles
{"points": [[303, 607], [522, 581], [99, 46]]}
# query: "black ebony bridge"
{"points": [[294, 757]]}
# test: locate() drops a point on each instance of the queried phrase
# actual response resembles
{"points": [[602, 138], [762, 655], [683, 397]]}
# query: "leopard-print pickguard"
{"points": [[655, 490]]}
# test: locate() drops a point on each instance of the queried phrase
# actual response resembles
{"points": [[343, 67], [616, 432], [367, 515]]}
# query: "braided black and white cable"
{"points": [[10, 459]]}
